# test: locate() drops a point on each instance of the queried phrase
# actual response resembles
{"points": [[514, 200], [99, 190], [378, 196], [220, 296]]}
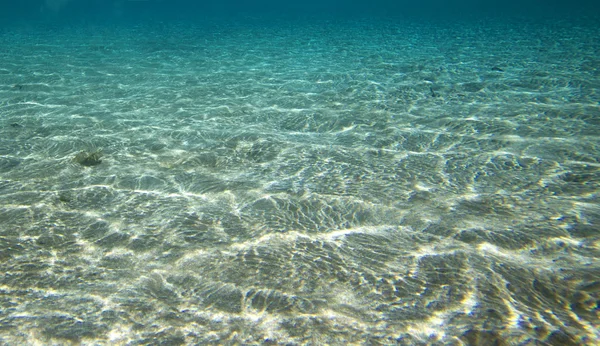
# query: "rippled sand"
{"points": [[301, 183]]}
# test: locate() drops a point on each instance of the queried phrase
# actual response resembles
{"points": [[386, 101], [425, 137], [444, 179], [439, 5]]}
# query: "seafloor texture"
{"points": [[300, 183]]}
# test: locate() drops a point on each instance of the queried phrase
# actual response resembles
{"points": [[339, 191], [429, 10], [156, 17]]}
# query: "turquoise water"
{"points": [[300, 182]]}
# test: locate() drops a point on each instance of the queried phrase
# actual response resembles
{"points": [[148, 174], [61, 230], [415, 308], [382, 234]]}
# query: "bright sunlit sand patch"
{"points": [[430, 329], [119, 334]]}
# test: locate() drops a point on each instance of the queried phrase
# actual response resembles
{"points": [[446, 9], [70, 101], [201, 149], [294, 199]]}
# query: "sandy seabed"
{"points": [[300, 183]]}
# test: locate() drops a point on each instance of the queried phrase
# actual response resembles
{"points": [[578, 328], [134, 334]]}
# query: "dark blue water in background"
{"points": [[161, 10], [299, 172]]}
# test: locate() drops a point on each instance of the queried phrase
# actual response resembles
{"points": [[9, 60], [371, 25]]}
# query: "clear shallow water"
{"points": [[310, 182]]}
